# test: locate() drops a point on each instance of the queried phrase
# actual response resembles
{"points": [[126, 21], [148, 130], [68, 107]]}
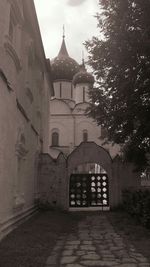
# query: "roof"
{"points": [[83, 76], [63, 66]]}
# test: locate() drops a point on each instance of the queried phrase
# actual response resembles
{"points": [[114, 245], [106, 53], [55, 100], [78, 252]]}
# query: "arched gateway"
{"points": [[89, 173], [87, 179]]}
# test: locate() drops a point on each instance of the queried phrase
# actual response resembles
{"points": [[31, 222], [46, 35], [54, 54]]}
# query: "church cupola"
{"points": [[82, 82], [63, 70], [83, 77], [63, 66]]}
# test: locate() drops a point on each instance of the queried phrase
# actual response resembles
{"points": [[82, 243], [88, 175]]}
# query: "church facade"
{"points": [[69, 124]]}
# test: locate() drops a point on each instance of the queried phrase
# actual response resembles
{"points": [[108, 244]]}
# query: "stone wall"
{"points": [[52, 177], [55, 174]]}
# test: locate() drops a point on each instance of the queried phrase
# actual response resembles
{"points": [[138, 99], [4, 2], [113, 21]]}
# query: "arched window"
{"points": [[85, 135], [60, 86], [71, 91], [83, 94], [55, 139]]}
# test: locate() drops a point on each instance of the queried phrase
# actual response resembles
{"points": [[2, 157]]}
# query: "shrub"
{"points": [[137, 203]]}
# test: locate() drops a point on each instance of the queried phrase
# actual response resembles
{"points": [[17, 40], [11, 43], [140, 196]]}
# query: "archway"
{"points": [[89, 173]]}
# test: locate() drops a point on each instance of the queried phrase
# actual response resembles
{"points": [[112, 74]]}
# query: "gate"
{"points": [[88, 190]]}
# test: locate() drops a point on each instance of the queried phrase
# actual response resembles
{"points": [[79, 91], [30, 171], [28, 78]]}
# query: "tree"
{"points": [[120, 58]]}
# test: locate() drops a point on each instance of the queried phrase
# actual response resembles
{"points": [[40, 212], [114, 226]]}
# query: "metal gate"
{"points": [[88, 190]]}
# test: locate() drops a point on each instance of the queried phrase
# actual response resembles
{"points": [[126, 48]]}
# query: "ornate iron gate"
{"points": [[88, 190]]}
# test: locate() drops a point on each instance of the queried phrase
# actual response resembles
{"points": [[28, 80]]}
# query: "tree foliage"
{"points": [[120, 58]]}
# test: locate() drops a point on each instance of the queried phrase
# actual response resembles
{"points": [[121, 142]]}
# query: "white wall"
{"points": [[63, 89], [71, 123], [24, 112], [81, 93]]}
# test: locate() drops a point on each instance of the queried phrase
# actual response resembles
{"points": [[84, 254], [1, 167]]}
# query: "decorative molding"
{"points": [[12, 53], [19, 106], [17, 14], [29, 95], [20, 150], [20, 147], [34, 130], [5, 80]]}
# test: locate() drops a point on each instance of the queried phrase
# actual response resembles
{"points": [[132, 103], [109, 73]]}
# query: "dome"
{"points": [[63, 66], [83, 76]]}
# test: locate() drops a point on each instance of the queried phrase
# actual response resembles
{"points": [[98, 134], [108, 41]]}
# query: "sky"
{"points": [[77, 16]]}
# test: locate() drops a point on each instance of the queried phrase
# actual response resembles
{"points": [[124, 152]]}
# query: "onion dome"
{"points": [[83, 76], [63, 66]]}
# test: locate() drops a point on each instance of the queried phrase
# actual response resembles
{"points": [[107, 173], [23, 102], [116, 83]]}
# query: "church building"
{"points": [[69, 125]]}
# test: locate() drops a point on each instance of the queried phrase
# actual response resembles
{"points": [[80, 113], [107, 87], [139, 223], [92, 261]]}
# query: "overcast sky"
{"points": [[79, 21]]}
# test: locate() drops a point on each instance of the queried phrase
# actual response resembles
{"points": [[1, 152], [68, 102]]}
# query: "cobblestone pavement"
{"points": [[95, 243]]}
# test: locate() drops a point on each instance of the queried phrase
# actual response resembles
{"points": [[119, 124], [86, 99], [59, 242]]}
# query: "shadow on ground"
{"points": [[32, 242]]}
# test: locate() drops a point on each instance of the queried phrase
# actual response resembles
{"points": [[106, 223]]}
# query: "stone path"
{"points": [[95, 243]]}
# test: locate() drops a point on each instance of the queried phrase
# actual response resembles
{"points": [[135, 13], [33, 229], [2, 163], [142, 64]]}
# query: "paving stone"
{"points": [[128, 265], [101, 246], [68, 259], [136, 254], [68, 247], [75, 242], [114, 248], [87, 242], [105, 252], [99, 263], [91, 252], [91, 257], [130, 260], [67, 252], [84, 237], [80, 253], [108, 257], [87, 247], [95, 246]]}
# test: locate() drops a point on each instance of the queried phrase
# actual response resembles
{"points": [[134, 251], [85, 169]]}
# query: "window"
{"points": [[85, 135], [60, 90], [83, 94], [55, 139], [71, 91]]}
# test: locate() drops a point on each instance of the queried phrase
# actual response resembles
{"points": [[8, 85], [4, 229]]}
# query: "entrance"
{"points": [[88, 190], [89, 178]]}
